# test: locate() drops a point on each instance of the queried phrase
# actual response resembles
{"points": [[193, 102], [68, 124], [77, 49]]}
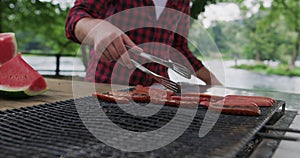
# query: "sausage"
{"points": [[228, 102], [120, 94], [155, 93], [140, 98], [189, 98], [259, 100], [237, 110], [177, 103], [205, 103], [168, 102], [250, 109], [253, 97], [111, 99], [202, 95], [136, 97]]}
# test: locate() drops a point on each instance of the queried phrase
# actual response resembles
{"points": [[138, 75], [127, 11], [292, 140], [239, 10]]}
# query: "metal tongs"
{"points": [[180, 69], [163, 80]]}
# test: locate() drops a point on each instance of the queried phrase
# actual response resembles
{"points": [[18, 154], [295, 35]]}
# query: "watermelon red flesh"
{"points": [[8, 47], [18, 76]]}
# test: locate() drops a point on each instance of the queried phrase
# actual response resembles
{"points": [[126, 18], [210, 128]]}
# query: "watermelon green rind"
{"points": [[13, 95], [22, 92], [39, 86], [17, 94]]}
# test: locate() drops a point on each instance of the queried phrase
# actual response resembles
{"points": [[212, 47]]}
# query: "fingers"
{"points": [[115, 50], [130, 43], [121, 49], [111, 52], [209, 78], [109, 44]]}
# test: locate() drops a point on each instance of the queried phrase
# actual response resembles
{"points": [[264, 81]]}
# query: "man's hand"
{"points": [[206, 76], [108, 40]]}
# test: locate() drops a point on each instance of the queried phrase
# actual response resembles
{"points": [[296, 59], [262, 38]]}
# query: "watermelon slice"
{"points": [[8, 47], [19, 80]]}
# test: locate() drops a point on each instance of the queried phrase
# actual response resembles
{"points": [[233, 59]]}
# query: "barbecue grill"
{"points": [[56, 130]]}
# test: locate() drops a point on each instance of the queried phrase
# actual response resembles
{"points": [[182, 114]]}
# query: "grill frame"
{"points": [[55, 129]]}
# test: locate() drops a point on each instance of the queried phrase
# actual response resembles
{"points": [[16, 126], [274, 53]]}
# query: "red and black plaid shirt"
{"points": [[165, 37]]}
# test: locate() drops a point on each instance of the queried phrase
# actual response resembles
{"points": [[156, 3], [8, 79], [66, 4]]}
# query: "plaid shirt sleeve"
{"points": [[82, 9], [100, 71], [181, 41]]}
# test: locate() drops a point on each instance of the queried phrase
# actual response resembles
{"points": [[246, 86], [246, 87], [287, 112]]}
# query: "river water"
{"points": [[279, 87]]}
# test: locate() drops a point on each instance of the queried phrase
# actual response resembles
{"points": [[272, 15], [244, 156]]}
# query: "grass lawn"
{"points": [[262, 68]]}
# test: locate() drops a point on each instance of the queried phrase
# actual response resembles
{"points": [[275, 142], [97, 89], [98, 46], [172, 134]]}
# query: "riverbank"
{"points": [[282, 70], [231, 77]]}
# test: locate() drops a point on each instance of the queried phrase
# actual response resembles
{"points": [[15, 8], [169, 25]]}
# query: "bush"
{"points": [[256, 67], [282, 70]]}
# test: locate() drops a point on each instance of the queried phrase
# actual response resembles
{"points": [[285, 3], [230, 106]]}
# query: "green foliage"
{"points": [[256, 68], [288, 13], [201, 42], [38, 26], [229, 38], [282, 69], [198, 6], [272, 33]]}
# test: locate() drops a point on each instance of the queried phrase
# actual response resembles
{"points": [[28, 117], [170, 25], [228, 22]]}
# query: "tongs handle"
{"points": [[147, 56], [142, 68]]}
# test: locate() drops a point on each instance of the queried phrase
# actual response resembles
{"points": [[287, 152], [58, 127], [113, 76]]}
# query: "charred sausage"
{"points": [[251, 109], [136, 97], [259, 100], [203, 96], [111, 99], [177, 103], [237, 110], [155, 93], [189, 98], [228, 102]]}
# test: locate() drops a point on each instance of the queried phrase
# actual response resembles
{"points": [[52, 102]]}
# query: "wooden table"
{"points": [[58, 90]]}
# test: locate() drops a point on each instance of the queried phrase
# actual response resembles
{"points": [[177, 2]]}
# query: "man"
{"points": [[157, 27]]}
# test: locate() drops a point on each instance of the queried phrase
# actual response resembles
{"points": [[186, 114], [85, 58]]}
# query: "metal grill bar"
{"points": [[55, 129]]}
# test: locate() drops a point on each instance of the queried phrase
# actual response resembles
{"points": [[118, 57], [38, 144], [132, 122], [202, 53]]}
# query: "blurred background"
{"points": [[257, 40]]}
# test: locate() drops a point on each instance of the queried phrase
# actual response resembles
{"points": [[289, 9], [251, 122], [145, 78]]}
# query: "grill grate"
{"points": [[55, 129]]}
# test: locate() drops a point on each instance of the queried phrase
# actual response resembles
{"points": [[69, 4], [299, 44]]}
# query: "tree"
{"points": [[38, 25], [259, 38], [41, 24], [268, 32], [1, 13], [229, 37], [198, 6], [290, 12]]}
